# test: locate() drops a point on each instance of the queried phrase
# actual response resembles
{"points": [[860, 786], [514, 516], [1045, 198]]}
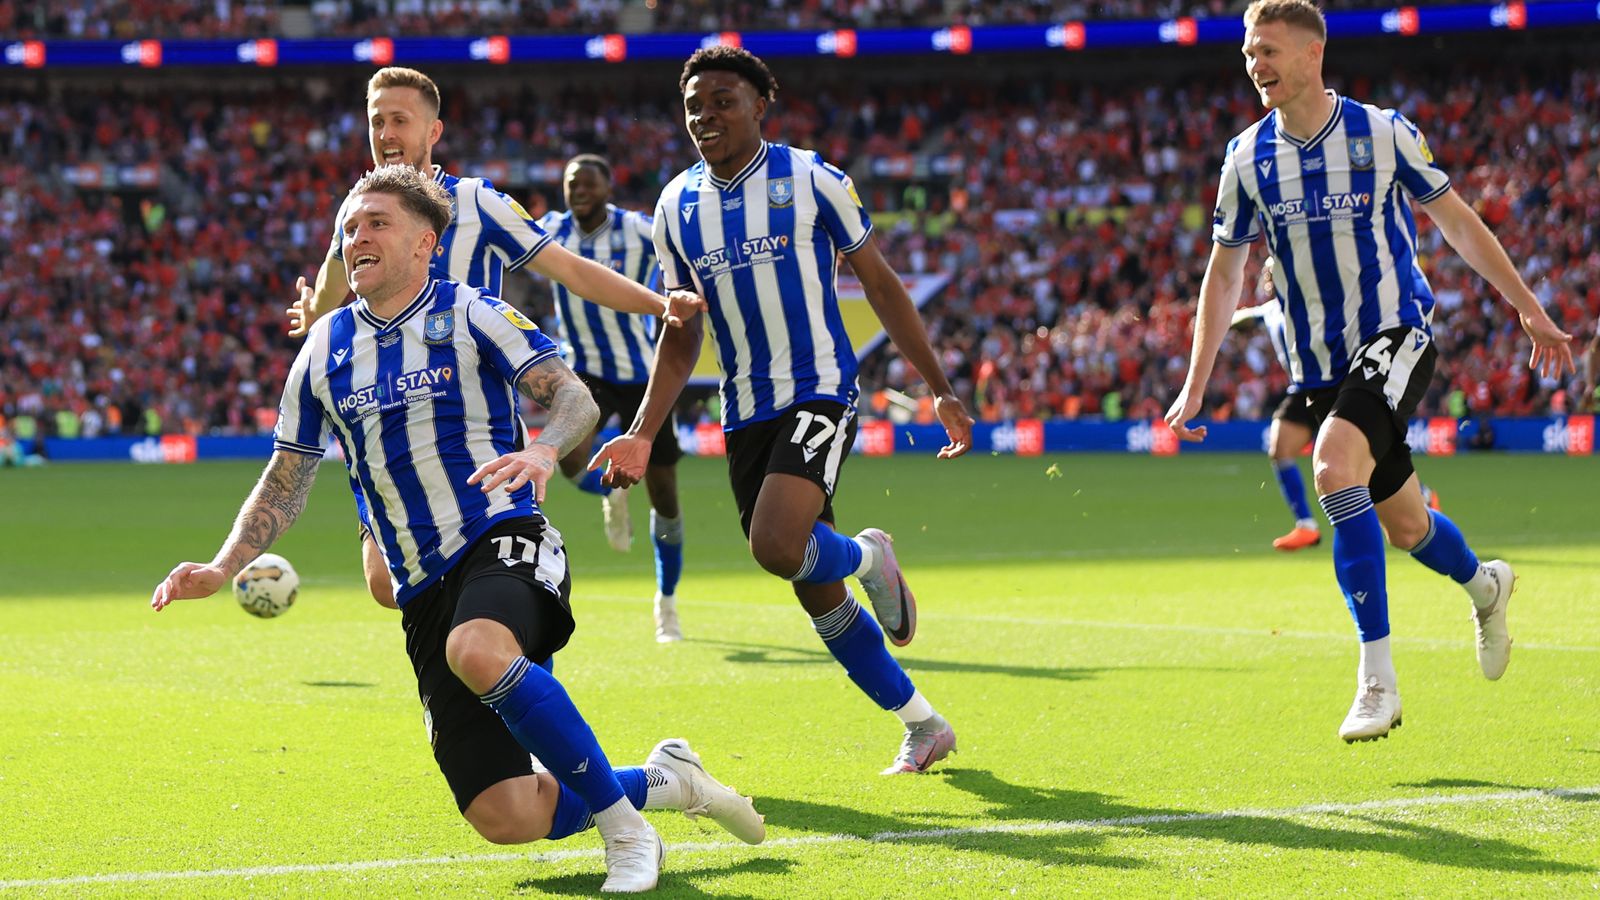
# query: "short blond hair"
{"points": [[400, 76], [1299, 13], [419, 195]]}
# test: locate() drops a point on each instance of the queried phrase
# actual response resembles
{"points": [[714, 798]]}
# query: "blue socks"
{"points": [[668, 537], [541, 716], [1293, 487], [1358, 559], [590, 483], [1445, 551], [830, 556], [856, 641], [573, 815]]}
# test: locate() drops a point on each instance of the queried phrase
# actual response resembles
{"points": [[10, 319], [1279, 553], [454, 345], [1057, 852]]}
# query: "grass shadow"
{"points": [[776, 654], [674, 883], [1464, 783], [340, 684]]}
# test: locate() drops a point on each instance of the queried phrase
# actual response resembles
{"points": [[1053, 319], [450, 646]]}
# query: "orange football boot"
{"points": [[1298, 539]]}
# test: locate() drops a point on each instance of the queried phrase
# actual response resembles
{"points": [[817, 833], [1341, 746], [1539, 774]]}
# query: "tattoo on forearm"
{"points": [[572, 411], [274, 505]]}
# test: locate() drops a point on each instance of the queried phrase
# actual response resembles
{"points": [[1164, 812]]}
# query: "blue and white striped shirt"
{"points": [[763, 249], [489, 233], [1336, 211], [417, 403], [599, 341]]}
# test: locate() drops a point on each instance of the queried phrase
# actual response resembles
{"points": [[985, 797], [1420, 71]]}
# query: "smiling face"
{"points": [[385, 248], [401, 127], [723, 114], [1284, 62], [587, 189]]}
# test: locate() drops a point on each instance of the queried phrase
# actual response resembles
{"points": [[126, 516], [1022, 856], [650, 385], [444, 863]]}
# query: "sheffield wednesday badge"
{"points": [[1361, 153], [439, 327], [780, 192]]}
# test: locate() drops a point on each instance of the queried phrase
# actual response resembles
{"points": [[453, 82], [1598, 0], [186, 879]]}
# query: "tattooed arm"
{"points": [[271, 508], [573, 415]]}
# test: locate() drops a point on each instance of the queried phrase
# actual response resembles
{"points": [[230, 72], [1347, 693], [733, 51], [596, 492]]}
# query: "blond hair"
{"points": [[419, 195], [1298, 13], [400, 76]]}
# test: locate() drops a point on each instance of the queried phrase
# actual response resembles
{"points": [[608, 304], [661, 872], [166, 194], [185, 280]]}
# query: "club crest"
{"points": [[439, 327], [1360, 153], [780, 192]]}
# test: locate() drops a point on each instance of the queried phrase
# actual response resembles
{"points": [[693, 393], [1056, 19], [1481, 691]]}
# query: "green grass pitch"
{"points": [[1147, 698]]}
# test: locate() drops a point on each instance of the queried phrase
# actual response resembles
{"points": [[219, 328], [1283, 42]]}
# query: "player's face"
{"points": [[1282, 61], [588, 190], [401, 127], [723, 114], [384, 246]]}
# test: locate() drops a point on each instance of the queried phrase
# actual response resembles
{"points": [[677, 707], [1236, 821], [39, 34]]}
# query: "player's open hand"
{"points": [[957, 424], [533, 466], [300, 311], [1184, 409], [187, 582], [1552, 347], [624, 458], [683, 306]]}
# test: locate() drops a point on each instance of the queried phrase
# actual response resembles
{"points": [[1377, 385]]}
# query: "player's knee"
{"points": [[1407, 531], [777, 554], [1332, 472], [476, 652]]}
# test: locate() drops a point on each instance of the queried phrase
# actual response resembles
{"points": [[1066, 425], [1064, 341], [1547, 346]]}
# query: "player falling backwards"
{"points": [[758, 229], [488, 233], [1330, 181], [1292, 425], [417, 381], [611, 352]]}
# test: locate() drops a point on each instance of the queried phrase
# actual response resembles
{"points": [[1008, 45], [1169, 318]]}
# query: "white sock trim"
{"points": [[1376, 660], [619, 816], [664, 789], [917, 709], [869, 558], [1481, 588]]}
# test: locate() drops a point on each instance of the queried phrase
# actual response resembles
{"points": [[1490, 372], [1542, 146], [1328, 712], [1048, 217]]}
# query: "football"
{"points": [[267, 587]]}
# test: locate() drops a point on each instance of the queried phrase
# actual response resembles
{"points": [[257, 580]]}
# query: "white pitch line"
{"points": [[882, 837], [1219, 630]]}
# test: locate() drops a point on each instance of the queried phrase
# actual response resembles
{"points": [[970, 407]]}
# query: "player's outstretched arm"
{"points": [[333, 286], [625, 457], [894, 308], [1219, 297], [592, 281], [573, 415], [1464, 231], [271, 508]]}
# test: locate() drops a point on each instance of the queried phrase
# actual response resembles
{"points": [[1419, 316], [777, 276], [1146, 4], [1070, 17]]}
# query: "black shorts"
{"points": [[471, 743], [1295, 411], [1385, 383], [623, 401], [810, 440]]}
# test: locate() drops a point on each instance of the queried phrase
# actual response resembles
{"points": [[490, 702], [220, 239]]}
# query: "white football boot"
{"points": [[633, 861], [619, 524], [1494, 639], [1376, 710], [667, 628], [706, 796]]}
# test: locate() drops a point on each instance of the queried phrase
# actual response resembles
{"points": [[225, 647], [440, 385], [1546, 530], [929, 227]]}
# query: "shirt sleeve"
{"points": [[643, 226], [839, 207], [674, 269], [337, 250], [302, 423], [508, 227], [507, 339], [1414, 167], [1234, 222]]}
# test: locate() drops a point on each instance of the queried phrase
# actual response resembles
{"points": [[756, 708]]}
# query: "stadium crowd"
{"points": [[1074, 221], [125, 19]]}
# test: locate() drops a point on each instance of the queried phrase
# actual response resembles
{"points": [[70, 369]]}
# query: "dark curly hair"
{"points": [[591, 159], [737, 60]]}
